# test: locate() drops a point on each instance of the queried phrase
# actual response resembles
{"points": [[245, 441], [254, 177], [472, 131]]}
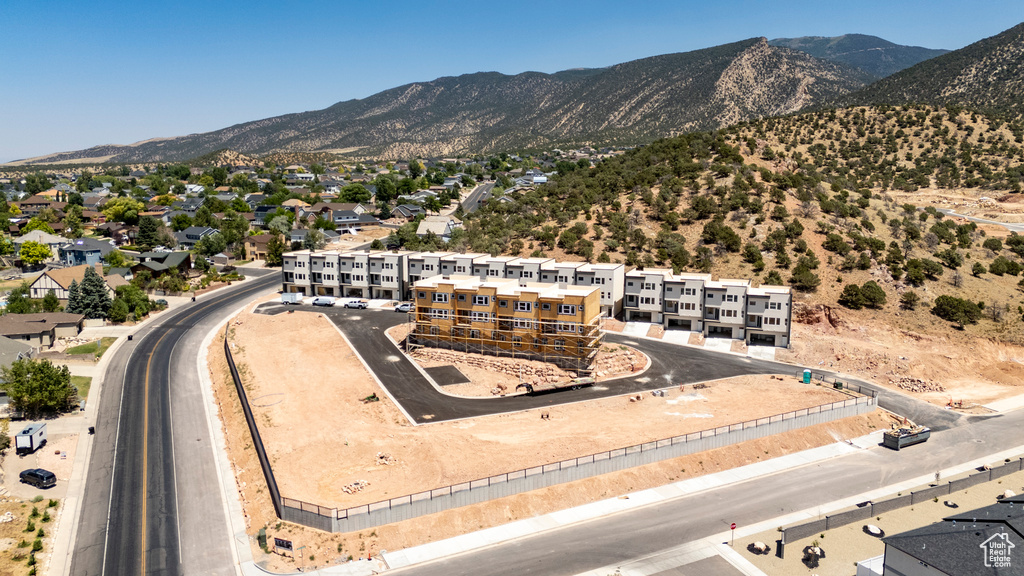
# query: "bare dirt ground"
{"points": [[15, 538], [493, 376], [325, 383], [849, 544], [934, 367]]}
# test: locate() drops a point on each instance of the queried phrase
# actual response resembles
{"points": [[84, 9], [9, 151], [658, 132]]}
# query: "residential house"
{"points": [[256, 246], [440, 226], [725, 304], [977, 541], [188, 237], [160, 263], [408, 212], [189, 205], [12, 350], [52, 241], [40, 330], [348, 221], [84, 251], [58, 281]]}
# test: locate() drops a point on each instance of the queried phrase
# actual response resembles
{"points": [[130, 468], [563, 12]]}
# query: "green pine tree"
{"points": [[74, 298], [95, 300]]}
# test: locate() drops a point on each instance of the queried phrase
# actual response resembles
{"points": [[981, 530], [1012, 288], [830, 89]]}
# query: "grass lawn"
{"points": [[97, 347], [82, 383]]}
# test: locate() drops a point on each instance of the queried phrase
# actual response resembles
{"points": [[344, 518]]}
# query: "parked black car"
{"points": [[39, 478]]}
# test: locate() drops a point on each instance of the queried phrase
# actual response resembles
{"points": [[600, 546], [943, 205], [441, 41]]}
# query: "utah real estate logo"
{"points": [[997, 550]]}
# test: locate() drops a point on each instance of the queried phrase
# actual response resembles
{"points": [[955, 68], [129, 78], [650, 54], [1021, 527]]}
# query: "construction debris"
{"points": [[354, 487], [917, 385], [385, 459]]}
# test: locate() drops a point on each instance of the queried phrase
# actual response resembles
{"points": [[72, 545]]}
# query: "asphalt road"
{"points": [[152, 469], [671, 365], [1009, 226], [477, 197], [616, 539]]}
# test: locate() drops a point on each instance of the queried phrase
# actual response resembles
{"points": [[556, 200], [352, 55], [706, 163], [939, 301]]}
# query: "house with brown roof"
{"points": [[42, 329], [256, 246], [59, 281]]}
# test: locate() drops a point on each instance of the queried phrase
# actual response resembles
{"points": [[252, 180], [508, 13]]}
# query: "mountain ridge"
{"points": [[876, 56], [626, 103]]}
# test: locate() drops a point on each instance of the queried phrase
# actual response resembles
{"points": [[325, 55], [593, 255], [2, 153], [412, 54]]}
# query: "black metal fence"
{"points": [[257, 442]]}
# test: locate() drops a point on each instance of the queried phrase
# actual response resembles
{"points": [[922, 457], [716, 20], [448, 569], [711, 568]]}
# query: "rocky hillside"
{"points": [[987, 75], [872, 54], [628, 103]]}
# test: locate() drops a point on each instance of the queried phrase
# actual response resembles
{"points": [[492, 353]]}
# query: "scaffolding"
{"points": [[549, 341]]}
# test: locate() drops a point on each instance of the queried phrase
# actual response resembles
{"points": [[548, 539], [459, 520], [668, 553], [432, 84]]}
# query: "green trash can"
{"points": [[807, 376]]}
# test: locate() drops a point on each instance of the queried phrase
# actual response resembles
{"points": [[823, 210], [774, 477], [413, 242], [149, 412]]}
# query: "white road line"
{"points": [[174, 465], [113, 467]]}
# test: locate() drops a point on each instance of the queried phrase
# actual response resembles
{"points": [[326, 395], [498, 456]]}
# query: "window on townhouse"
{"points": [[357, 264], [523, 307], [545, 306], [732, 298], [689, 291], [460, 269], [562, 279], [517, 341], [481, 300], [439, 313], [599, 281], [567, 309], [474, 333], [492, 272], [559, 345], [689, 306], [462, 297], [389, 265], [524, 324], [503, 303], [421, 295], [772, 321], [428, 267], [629, 284], [729, 313], [480, 316], [775, 305], [358, 277], [441, 297], [566, 327], [648, 286]]}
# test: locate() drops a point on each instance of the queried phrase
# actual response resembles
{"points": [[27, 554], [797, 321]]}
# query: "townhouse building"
{"points": [[509, 317], [716, 308]]}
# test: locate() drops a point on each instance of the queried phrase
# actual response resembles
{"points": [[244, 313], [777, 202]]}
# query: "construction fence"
{"points": [[867, 510], [483, 489]]}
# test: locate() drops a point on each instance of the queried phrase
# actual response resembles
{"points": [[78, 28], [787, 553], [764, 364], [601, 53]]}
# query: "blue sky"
{"points": [[89, 72]]}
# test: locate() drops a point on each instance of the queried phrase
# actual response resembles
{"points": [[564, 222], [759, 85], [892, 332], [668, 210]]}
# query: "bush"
{"points": [[909, 300], [874, 295], [957, 310], [852, 297]]}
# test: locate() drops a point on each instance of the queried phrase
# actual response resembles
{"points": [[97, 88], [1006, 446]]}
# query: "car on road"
{"points": [[360, 304], [323, 301], [404, 307], [39, 478]]}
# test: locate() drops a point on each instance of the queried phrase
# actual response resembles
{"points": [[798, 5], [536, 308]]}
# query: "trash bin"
{"points": [[129, 336], [807, 376], [838, 385]]}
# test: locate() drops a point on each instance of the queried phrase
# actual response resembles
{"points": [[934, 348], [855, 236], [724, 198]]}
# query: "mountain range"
{"points": [[624, 104], [872, 54]]}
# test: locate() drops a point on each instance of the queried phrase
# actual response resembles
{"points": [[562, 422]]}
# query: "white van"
{"points": [[323, 301]]}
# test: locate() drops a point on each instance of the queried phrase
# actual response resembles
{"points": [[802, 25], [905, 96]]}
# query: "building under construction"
{"points": [[559, 324]]}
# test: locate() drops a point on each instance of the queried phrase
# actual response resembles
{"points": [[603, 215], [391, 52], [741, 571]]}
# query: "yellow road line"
{"points": [[145, 416]]}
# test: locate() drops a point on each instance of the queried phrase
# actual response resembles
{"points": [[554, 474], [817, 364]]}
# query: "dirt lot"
{"points": [[493, 376], [936, 368], [849, 544], [325, 382], [16, 541]]}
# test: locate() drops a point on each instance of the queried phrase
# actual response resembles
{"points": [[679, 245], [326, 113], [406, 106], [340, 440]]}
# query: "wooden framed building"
{"points": [[509, 317]]}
